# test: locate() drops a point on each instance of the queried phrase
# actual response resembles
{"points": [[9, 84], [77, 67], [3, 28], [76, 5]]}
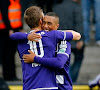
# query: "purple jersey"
{"points": [[36, 75]]}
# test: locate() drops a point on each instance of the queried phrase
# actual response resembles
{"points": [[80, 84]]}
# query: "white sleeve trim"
{"points": [[63, 53], [64, 35], [45, 88]]}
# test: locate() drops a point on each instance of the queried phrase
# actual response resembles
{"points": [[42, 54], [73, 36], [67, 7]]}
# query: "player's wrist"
{"points": [[35, 59], [28, 37]]}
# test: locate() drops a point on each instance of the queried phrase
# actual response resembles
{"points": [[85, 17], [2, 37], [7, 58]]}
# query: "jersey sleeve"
{"points": [[18, 36], [60, 35], [60, 60], [57, 62]]}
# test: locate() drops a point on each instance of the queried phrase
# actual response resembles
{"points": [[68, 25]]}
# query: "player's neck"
{"points": [[37, 28]]}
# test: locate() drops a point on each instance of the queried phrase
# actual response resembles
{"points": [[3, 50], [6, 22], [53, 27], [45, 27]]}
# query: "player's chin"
{"points": [[50, 30]]}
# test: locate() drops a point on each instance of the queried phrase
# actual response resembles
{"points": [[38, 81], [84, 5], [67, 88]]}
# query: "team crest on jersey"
{"points": [[61, 51], [62, 47]]}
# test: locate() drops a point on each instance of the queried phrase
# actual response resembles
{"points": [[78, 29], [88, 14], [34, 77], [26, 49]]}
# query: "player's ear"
{"points": [[40, 21], [57, 26]]}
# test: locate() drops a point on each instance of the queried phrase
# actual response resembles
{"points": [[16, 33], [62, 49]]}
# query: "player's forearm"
{"points": [[18, 36], [76, 35], [57, 62]]}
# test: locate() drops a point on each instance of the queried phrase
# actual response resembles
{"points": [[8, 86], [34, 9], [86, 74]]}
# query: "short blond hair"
{"points": [[32, 16]]}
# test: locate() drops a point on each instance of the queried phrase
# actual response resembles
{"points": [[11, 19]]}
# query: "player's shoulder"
{"points": [[51, 33], [48, 32], [54, 32]]}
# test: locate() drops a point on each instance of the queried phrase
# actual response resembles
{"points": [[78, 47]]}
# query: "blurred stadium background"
{"points": [[89, 70]]}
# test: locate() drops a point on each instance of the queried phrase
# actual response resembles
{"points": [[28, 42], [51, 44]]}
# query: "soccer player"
{"points": [[94, 82], [62, 59], [37, 76]]}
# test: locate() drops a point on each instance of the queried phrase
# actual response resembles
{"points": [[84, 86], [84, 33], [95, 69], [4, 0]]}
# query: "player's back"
{"points": [[36, 75]]}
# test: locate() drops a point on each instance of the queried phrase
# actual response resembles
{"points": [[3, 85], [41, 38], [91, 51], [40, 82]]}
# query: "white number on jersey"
{"points": [[33, 48]]}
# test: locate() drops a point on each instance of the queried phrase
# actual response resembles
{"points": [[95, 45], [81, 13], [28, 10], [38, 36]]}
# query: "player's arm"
{"points": [[70, 35], [67, 35], [57, 62], [18, 36], [76, 35], [21, 36]]}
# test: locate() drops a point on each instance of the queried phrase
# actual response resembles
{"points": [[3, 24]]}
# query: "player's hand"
{"points": [[29, 58], [34, 36], [11, 32], [79, 45]]}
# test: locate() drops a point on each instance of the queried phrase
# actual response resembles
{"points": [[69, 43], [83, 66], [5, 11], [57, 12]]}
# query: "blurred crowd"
{"points": [[73, 14]]}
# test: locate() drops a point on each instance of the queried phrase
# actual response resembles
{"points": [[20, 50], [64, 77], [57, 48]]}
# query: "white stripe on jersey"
{"points": [[64, 35], [45, 88]]}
